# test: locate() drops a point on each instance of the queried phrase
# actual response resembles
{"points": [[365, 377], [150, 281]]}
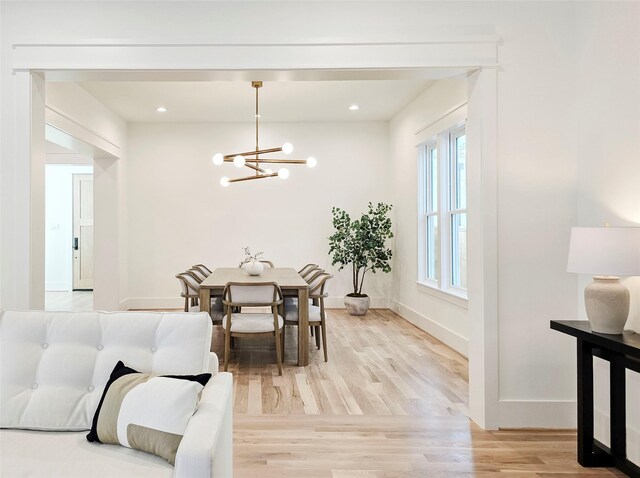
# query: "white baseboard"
{"points": [[454, 340], [56, 286], [338, 303], [135, 303], [602, 432], [537, 413]]}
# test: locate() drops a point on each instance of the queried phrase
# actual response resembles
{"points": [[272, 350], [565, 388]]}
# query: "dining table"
{"points": [[291, 283]]}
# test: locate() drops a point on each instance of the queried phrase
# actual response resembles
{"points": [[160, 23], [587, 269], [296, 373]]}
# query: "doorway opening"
{"points": [[69, 230]]}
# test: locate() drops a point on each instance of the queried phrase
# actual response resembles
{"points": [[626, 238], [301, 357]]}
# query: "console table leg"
{"points": [[585, 404], [618, 407]]}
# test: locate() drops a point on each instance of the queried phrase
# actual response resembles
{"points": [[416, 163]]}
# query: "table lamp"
{"points": [[606, 253]]}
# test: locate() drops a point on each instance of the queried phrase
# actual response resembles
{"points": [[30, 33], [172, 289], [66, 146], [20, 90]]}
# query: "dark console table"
{"points": [[622, 352]]}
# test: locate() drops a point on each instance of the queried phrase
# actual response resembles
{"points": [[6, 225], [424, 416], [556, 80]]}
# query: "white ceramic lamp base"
{"points": [[607, 304]]}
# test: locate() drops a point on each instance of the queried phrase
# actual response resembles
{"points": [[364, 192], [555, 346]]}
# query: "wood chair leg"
{"points": [[317, 336], [233, 342], [227, 343], [311, 331], [323, 327], [278, 351], [186, 304], [284, 335]]}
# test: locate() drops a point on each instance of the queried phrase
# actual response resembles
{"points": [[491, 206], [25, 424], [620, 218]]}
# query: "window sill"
{"points": [[450, 296]]}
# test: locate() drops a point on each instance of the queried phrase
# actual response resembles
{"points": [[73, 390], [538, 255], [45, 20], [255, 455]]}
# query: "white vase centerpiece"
{"points": [[251, 263]]}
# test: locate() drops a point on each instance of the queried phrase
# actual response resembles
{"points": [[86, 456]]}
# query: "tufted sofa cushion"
{"points": [[54, 365]]}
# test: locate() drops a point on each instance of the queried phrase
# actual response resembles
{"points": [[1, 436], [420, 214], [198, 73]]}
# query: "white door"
{"points": [[83, 231]]}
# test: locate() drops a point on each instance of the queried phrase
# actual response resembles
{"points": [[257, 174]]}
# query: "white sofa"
{"points": [[53, 369]]}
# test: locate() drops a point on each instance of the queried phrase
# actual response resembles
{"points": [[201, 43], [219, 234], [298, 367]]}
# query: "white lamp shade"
{"points": [[613, 251]]}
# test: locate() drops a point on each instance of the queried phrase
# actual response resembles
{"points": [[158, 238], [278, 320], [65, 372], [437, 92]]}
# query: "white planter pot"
{"points": [[254, 268], [357, 305]]}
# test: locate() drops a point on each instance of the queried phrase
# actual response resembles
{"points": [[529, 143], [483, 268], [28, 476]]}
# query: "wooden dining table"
{"points": [[290, 282]]}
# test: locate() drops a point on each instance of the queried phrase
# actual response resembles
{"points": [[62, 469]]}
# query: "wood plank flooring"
{"points": [[391, 402], [77, 300]]}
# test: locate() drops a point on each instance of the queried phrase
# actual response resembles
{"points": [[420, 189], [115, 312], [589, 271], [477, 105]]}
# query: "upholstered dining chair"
{"points": [[191, 293], [197, 274], [190, 290], [200, 272], [307, 268], [204, 269], [317, 316], [238, 324], [309, 276]]}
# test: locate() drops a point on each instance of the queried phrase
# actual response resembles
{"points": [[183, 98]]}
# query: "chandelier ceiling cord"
{"points": [[253, 159]]}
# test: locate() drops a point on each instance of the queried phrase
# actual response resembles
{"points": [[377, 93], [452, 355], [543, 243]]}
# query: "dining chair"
{"points": [[311, 274], [202, 268], [197, 274], [238, 324], [317, 316], [306, 268], [191, 293]]}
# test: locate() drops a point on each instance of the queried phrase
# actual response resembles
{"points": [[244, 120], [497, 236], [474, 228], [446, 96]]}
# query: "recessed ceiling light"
{"points": [[354, 107], [161, 109]]}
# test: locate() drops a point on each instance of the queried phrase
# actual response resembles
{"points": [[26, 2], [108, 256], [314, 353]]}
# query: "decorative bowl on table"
{"points": [[254, 268]]}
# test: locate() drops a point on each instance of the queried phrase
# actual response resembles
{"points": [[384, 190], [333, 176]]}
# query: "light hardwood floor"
{"points": [[391, 402], [77, 300]]}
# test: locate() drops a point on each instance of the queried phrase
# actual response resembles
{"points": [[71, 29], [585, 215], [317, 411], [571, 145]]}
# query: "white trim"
{"points": [[447, 336], [74, 128], [538, 413], [447, 295], [445, 115], [482, 247], [352, 55], [135, 303], [338, 303]]}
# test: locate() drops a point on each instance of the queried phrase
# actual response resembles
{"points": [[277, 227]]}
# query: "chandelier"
{"points": [[255, 159]]}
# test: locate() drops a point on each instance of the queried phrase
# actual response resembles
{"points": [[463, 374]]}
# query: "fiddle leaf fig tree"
{"points": [[361, 243]]}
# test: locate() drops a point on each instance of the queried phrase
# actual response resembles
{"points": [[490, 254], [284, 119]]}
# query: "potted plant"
{"points": [[361, 244], [251, 263]]}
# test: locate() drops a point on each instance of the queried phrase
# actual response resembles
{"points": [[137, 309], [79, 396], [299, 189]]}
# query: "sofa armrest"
{"points": [[214, 364], [206, 449]]}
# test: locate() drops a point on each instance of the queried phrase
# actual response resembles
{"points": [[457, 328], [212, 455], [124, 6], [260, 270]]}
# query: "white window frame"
{"points": [[442, 285]]}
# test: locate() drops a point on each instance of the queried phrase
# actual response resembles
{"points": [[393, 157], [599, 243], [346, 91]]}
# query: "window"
{"points": [[443, 212]]}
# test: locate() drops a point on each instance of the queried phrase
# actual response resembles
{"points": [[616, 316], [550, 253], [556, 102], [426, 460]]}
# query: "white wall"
{"points": [[59, 225], [609, 165], [179, 215], [444, 317]]}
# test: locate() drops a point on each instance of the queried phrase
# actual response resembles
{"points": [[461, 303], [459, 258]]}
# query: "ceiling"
{"points": [[234, 101]]}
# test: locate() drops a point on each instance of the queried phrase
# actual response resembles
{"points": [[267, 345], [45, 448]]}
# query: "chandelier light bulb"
{"points": [[217, 159], [224, 181], [311, 162], [283, 173], [238, 161], [287, 148]]}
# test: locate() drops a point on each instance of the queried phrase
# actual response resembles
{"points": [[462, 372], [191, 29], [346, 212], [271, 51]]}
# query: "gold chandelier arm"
{"points": [[249, 153], [249, 178], [280, 161], [255, 168]]}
